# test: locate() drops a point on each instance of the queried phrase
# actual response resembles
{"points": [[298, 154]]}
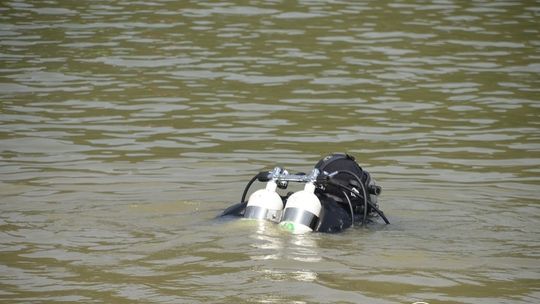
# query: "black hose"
{"points": [[350, 206], [364, 220], [246, 189]]}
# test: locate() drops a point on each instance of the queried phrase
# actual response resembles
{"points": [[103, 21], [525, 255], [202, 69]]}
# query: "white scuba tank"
{"points": [[265, 203], [302, 211]]}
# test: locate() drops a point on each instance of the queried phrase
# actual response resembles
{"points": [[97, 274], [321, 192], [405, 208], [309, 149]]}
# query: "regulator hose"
{"points": [[259, 176], [350, 207]]}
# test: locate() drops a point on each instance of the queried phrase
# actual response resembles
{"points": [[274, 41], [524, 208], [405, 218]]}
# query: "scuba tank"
{"points": [[265, 203], [303, 208]]}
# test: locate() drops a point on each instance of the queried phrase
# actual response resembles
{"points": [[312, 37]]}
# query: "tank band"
{"points": [[300, 216], [257, 212]]}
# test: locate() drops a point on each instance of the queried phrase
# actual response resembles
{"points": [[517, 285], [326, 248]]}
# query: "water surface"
{"points": [[126, 127]]}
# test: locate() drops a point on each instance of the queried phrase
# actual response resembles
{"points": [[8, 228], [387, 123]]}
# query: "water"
{"points": [[126, 127]]}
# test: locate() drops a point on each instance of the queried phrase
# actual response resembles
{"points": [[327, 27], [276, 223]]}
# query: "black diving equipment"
{"points": [[337, 194]]}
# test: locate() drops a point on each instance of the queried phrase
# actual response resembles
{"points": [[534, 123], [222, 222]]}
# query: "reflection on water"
{"points": [[125, 127]]}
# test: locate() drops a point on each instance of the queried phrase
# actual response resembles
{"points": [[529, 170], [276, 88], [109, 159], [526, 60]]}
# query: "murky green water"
{"points": [[126, 127]]}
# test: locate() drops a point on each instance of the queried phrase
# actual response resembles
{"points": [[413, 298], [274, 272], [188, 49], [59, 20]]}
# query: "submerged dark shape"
{"points": [[338, 194]]}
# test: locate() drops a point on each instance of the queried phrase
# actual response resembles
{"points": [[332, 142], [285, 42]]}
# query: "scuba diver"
{"points": [[337, 194]]}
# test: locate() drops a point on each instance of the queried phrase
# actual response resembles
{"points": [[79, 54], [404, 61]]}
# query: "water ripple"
{"points": [[125, 127]]}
